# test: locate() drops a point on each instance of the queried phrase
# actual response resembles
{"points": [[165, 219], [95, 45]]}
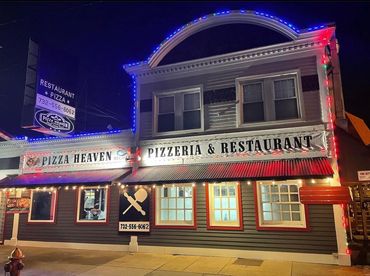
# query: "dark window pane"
{"points": [[191, 101], [166, 122], [252, 92], [166, 104], [253, 112], [284, 89], [92, 204], [286, 109], [41, 206], [191, 119]]}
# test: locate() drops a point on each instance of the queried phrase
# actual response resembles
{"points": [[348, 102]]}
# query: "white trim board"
{"points": [[250, 254], [69, 245]]}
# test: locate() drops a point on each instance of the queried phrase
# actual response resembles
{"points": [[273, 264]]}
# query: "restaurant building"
{"points": [[229, 155]]}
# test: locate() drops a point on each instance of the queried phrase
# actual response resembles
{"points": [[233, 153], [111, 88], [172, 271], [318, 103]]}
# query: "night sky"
{"points": [[105, 35]]}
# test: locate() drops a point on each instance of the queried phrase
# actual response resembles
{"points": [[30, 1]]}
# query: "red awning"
{"points": [[310, 167], [77, 177], [324, 195]]}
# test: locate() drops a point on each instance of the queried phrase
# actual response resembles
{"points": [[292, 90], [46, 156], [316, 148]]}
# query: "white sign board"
{"points": [[58, 107], [363, 175], [241, 146], [72, 160], [134, 226]]}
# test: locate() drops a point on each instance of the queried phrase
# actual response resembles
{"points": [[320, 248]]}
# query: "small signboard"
{"points": [[363, 175], [134, 209], [16, 204], [110, 157]]}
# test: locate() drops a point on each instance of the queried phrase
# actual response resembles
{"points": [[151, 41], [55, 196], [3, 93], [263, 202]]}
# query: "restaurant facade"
{"points": [[229, 155]]}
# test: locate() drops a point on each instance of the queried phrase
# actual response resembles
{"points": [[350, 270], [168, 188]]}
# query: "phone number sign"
{"points": [[134, 226], [47, 103]]}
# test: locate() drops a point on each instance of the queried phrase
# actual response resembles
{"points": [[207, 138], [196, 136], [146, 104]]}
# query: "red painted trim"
{"points": [[273, 228], [17, 212], [54, 200], [106, 222], [324, 195], [232, 228], [171, 226]]}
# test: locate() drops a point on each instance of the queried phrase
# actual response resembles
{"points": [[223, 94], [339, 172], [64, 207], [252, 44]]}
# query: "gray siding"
{"points": [[66, 230], [226, 79], [320, 239], [220, 115], [146, 124], [312, 105]]}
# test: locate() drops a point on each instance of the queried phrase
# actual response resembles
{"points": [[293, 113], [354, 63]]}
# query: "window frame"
{"points": [[279, 226], [156, 210], [179, 109], [53, 208], [174, 113], [107, 200], [211, 226], [268, 96]]}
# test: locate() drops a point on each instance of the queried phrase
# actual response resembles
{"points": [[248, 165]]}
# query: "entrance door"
{"points": [[360, 211]]}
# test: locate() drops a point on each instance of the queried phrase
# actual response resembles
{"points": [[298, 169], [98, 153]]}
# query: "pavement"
{"points": [[52, 261]]}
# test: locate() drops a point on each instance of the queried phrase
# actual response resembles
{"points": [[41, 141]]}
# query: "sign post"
{"points": [[50, 91]]}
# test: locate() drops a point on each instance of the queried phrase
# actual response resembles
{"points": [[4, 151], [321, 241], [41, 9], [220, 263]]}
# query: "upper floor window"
{"points": [[269, 98], [178, 111]]}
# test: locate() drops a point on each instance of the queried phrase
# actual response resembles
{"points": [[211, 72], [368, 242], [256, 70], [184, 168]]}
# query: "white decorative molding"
{"points": [[294, 49], [207, 22]]}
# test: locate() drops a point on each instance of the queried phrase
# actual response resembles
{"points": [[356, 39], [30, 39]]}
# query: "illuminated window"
{"points": [[279, 205], [269, 98], [92, 204], [224, 205], [42, 206], [178, 111], [175, 205]]}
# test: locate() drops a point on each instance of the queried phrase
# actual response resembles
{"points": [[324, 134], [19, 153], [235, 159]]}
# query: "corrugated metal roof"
{"points": [[77, 177], [324, 195], [309, 167]]}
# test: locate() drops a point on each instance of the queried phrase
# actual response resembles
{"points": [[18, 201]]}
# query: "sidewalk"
{"points": [[42, 261]]}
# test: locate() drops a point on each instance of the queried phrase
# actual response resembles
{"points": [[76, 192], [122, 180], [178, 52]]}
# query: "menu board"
{"points": [[16, 204]]}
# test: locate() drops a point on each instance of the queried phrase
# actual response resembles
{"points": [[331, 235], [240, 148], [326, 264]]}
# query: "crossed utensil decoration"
{"points": [[139, 196]]}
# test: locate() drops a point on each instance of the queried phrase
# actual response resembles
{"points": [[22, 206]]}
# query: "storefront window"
{"points": [[92, 205], [42, 206], [175, 205], [279, 205], [224, 205]]}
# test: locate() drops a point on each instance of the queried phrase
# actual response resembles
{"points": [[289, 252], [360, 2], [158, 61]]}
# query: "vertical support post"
{"points": [[14, 238], [133, 246]]}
